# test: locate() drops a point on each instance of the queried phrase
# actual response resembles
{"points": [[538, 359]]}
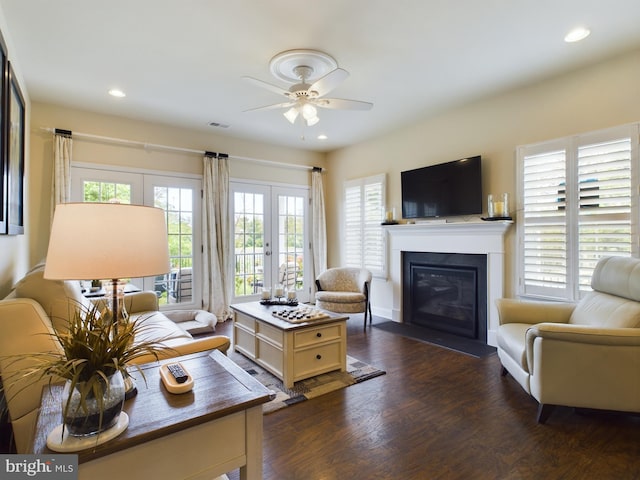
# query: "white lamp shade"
{"points": [[106, 241]]}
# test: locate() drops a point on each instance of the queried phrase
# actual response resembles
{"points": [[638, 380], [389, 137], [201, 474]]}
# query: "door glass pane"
{"points": [[106, 192], [248, 242], [176, 286], [291, 241]]}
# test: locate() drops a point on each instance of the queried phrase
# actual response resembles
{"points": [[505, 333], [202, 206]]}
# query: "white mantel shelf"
{"points": [[480, 227], [482, 237]]}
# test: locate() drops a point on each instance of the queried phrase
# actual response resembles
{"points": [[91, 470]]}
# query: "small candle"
{"points": [[499, 209], [266, 294], [291, 295], [279, 292]]}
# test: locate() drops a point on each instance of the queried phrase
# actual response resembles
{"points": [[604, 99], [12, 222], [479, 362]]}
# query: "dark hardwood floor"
{"points": [[439, 414]]}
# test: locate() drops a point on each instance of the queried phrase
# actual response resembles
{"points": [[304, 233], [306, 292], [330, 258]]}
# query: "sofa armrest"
{"points": [[584, 334], [180, 347], [519, 311], [584, 366]]}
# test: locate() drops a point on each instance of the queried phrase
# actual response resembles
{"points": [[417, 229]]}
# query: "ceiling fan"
{"points": [[313, 75]]}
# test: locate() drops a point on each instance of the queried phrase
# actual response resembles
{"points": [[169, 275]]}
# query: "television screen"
{"points": [[443, 190]]}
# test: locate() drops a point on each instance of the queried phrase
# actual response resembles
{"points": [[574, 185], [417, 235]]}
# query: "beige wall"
{"points": [[91, 151], [604, 95], [14, 249]]}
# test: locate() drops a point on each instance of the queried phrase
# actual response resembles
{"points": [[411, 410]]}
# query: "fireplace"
{"points": [[474, 237], [446, 291]]}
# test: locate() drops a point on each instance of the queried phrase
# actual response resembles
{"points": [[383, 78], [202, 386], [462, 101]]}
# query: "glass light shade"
{"points": [[312, 121], [291, 114], [309, 112], [106, 241]]}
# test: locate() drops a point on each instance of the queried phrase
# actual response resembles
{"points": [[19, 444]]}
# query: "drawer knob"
{"points": [[318, 357], [319, 334]]}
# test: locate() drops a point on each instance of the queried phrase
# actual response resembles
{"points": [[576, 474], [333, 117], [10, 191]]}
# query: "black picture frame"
{"points": [[4, 167], [15, 138]]}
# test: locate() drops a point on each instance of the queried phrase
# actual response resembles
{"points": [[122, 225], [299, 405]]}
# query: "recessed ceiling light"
{"points": [[115, 92], [322, 136], [577, 34]]}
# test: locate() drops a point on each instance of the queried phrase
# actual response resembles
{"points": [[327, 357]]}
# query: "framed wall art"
{"points": [[15, 135], [4, 173]]}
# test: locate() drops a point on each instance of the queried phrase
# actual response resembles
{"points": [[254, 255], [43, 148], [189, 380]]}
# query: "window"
{"points": [[365, 247], [179, 197], [270, 232], [578, 203]]}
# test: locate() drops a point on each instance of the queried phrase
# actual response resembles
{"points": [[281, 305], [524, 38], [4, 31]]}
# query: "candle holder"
{"points": [[498, 207]]}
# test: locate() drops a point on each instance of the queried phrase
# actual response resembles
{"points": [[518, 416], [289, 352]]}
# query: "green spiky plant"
{"points": [[94, 347]]}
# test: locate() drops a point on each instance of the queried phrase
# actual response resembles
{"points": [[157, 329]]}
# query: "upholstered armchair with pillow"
{"points": [[37, 307], [585, 355], [344, 290]]}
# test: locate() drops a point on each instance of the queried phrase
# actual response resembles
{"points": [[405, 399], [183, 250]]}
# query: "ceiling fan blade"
{"points": [[341, 104], [272, 88], [272, 107], [330, 81]]}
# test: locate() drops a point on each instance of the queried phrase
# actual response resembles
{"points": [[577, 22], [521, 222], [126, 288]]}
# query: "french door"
{"points": [[270, 239], [180, 199]]}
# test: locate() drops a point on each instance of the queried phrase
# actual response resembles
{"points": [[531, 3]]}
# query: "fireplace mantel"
{"points": [[458, 237]]}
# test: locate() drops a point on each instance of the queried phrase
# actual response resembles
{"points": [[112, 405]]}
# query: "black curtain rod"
{"points": [[60, 131], [317, 169]]}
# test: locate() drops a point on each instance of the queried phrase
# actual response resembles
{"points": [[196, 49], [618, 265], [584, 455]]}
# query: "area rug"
{"points": [[459, 344], [303, 390]]}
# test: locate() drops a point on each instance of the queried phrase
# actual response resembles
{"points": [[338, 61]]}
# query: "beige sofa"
{"points": [[36, 306], [585, 355]]}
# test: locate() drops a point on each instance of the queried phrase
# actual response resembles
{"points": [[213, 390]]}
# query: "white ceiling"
{"points": [[181, 62]]}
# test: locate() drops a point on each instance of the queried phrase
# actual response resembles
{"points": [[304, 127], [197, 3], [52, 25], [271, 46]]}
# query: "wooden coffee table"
{"points": [[291, 351]]}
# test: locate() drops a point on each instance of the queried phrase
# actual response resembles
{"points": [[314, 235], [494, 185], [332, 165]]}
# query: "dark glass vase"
{"points": [[93, 415]]}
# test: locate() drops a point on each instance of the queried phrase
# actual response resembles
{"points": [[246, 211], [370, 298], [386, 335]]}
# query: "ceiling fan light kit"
{"points": [[312, 74]]}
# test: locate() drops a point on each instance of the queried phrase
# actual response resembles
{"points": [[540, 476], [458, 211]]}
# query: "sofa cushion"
{"points": [[156, 327], [340, 297], [58, 298], [608, 311]]}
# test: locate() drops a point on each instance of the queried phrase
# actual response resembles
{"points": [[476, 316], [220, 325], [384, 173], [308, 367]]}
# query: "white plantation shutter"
{"points": [[353, 226], [578, 203], [364, 238], [545, 236], [604, 214]]}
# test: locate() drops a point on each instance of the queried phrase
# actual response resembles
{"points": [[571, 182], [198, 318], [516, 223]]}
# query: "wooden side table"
{"points": [[215, 428]]}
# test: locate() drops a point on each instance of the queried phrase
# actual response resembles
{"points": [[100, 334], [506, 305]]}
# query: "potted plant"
{"points": [[93, 362]]}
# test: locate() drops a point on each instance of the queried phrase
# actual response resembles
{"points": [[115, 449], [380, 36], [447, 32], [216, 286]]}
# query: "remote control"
{"points": [[175, 378], [178, 373]]}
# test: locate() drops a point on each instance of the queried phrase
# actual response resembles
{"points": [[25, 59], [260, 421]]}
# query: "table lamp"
{"points": [[108, 241]]}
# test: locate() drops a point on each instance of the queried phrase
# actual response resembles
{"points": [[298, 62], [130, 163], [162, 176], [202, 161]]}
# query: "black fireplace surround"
{"points": [[446, 292]]}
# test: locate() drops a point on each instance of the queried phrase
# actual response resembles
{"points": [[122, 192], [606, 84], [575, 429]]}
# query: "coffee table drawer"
{"points": [[316, 335], [313, 361]]}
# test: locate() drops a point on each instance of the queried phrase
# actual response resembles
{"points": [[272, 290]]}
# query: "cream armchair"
{"points": [[585, 355], [344, 290]]}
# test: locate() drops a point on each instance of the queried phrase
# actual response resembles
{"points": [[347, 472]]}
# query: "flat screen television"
{"points": [[443, 190]]}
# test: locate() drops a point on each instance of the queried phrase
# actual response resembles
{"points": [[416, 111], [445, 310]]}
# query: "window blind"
{"points": [[578, 205], [364, 245]]}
